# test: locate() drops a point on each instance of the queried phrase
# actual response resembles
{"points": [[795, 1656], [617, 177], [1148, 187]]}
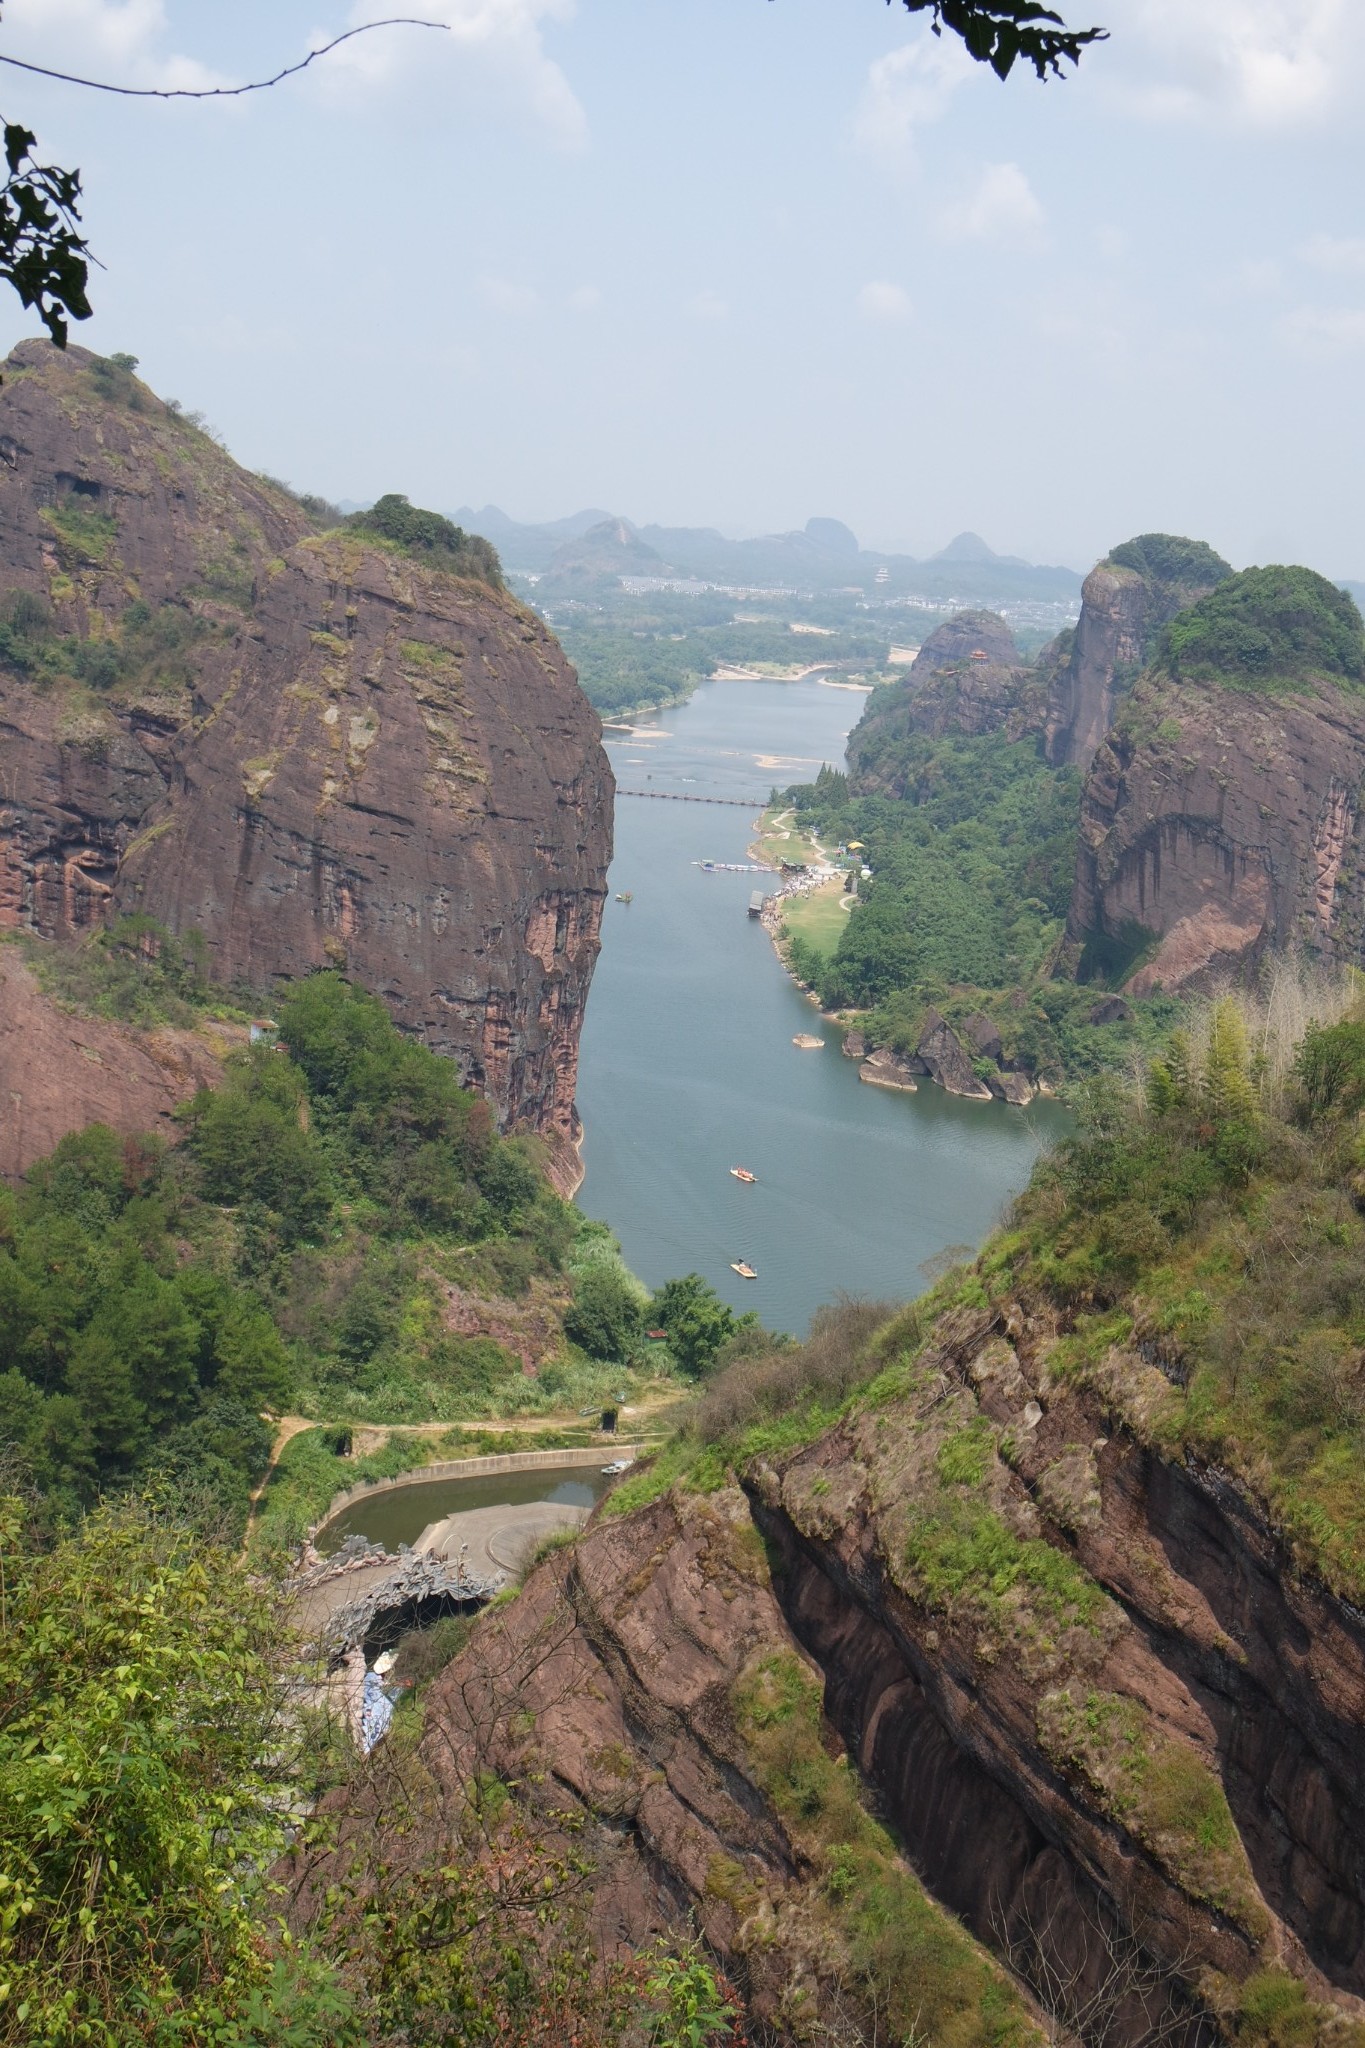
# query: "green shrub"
{"points": [[432, 535], [1170, 558], [140, 1794], [697, 1321], [1273, 629], [604, 1318], [1331, 1067]]}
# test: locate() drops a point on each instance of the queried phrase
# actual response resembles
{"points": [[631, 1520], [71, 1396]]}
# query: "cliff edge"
{"points": [[317, 748], [1221, 816], [1125, 601]]}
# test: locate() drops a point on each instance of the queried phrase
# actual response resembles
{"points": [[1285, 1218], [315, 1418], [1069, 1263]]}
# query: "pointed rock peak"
{"points": [[612, 529]]}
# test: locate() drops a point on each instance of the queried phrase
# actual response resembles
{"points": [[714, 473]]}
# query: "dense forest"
{"points": [[966, 907], [329, 1202]]}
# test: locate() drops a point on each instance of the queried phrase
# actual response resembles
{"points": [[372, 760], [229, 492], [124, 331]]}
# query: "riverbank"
{"points": [[688, 1065], [828, 674], [809, 909]]}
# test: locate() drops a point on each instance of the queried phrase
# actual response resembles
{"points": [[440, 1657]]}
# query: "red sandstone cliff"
{"points": [[316, 749], [60, 1072], [1133, 1768], [1125, 601], [968, 677], [1216, 824]]}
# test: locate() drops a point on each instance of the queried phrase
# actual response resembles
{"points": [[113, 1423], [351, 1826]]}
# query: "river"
{"points": [[688, 1068]]}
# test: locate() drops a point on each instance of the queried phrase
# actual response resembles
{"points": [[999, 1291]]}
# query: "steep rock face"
{"points": [[1117, 1733], [645, 1697], [1124, 604], [986, 1727], [966, 636], [966, 678], [62, 1072], [1216, 824], [1122, 1742], [348, 756]]}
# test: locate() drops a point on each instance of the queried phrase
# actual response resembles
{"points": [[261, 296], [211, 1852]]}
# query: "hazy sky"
{"points": [[736, 262]]}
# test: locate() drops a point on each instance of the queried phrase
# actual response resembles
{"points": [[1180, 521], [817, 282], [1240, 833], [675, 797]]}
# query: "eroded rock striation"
{"points": [[1116, 1732], [1221, 820], [315, 748], [1125, 601]]}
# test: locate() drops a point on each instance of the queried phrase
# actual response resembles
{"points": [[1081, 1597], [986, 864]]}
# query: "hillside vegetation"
{"points": [[1209, 1216], [972, 835], [632, 653], [1170, 558], [429, 534], [971, 877], [1272, 630], [341, 1234]]}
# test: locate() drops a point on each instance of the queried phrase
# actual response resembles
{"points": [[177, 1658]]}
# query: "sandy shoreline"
{"points": [[731, 672]]}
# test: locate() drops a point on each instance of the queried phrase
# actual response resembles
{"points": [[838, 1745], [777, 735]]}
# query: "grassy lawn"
{"points": [[778, 839], [820, 917]]}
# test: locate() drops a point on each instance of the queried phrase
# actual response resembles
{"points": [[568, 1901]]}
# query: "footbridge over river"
{"points": [[679, 796]]}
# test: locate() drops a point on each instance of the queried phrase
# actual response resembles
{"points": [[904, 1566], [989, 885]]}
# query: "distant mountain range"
{"points": [[594, 548]]}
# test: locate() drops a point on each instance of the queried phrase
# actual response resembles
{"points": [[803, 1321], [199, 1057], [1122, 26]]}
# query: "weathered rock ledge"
{"points": [[1022, 1721]]}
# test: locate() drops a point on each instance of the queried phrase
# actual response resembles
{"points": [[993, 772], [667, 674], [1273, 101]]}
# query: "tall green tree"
{"points": [[698, 1322]]}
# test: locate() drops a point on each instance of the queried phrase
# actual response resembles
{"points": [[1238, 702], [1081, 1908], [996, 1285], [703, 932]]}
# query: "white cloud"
{"points": [[1001, 206], [116, 40], [1324, 333], [586, 299], [708, 306], [885, 303], [1256, 63], [1342, 254], [501, 39], [905, 89], [504, 295]]}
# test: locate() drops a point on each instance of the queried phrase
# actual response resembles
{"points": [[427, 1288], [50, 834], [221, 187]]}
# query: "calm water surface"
{"points": [[400, 1515], [688, 1067]]}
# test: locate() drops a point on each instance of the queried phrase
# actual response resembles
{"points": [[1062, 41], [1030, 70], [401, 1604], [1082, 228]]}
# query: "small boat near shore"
{"points": [[625, 896], [807, 1041], [743, 1268], [743, 1173]]}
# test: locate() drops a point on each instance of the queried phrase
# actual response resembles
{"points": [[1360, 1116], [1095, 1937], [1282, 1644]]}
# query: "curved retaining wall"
{"points": [[473, 1468]]}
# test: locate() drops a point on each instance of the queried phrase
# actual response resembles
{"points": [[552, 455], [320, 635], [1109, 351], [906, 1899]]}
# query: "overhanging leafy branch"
{"points": [[42, 251], [999, 32]]}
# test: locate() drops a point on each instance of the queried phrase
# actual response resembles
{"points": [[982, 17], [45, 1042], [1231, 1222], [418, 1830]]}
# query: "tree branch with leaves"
{"points": [[1000, 32]]}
